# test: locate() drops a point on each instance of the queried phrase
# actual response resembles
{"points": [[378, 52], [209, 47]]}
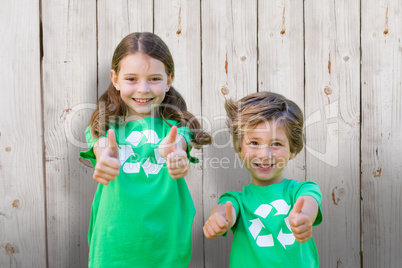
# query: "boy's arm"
{"points": [[222, 218], [302, 217]]}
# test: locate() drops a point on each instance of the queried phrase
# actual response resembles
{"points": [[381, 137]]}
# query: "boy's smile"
{"points": [[265, 152]]}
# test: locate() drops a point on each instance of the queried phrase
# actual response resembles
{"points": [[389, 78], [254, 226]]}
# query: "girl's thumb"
{"points": [[112, 138], [172, 135], [112, 142]]}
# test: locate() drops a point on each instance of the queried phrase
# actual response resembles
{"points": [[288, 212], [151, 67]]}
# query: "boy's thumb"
{"points": [[229, 211], [298, 205]]}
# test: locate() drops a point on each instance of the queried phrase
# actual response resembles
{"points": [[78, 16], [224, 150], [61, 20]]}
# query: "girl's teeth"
{"points": [[142, 100]]}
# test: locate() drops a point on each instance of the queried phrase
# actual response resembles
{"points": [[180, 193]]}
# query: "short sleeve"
{"points": [[188, 136], [311, 189], [90, 141]]}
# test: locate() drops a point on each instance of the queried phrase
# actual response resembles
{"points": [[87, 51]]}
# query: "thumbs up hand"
{"points": [[173, 149], [108, 165], [300, 222], [221, 220]]}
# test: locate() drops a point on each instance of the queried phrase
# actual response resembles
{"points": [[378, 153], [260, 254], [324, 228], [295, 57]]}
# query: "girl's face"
{"points": [[142, 82], [265, 152]]}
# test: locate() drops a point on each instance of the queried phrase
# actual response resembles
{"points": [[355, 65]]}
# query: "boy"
{"points": [[272, 217]]}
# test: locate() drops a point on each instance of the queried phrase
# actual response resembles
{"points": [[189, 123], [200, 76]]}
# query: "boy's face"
{"points": [[265, 152]]}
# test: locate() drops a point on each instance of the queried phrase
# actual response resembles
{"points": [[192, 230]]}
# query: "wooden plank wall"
{"points": [[341, 61]]}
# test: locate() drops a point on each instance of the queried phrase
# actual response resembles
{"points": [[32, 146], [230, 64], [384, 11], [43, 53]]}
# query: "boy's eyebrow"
{"points": [[251, 137]]}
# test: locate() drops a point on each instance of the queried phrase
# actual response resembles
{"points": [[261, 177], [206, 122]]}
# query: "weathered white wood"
{"points": [[69, 86], [229, 69], [281, 61], [178, 24], [332, 67], [116, 19], [22, 203], [381, 149]]}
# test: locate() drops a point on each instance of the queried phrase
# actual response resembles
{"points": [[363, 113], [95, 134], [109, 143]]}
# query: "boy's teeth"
{"points": [[264, 166]]}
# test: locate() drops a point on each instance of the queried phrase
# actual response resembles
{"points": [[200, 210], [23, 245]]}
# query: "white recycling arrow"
{"points": [[281, 207], [286, 239], [265, 241], [151, 168], [263, 210], [151, 135], [125, 151], [135, 138], [255, 227], [131, 167]]}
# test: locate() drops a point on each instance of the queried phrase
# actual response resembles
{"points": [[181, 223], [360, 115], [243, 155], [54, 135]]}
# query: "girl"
{"points": [[272, 217], [142, 211]]}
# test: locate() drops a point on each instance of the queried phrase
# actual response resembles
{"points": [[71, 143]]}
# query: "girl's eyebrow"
{"points": [[155, 74]]}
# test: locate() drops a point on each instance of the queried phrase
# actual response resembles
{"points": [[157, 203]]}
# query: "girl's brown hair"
{"points": [[260, 107], [110, 106]]}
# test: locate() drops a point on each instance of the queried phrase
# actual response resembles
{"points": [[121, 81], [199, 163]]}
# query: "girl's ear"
{"points": [[113, 77], [292, 155], [169, 81]]}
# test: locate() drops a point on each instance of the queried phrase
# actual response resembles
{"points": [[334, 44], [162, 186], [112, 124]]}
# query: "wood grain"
{"points": [[332, 67], [381, 133], [69, 92], [22, 199], [281, 61], [229, 70], [178, 24], [115, 20]]}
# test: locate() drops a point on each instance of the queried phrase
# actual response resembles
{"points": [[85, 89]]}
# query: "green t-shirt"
{"points": [[144, 217], [261, 234]]}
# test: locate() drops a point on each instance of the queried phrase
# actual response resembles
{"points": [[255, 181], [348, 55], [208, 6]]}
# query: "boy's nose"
{"points": [[264, 153]]}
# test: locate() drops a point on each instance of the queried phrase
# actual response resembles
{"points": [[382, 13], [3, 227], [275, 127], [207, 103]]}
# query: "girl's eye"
{"points": [[254, 143], [155, 79], [131, 79], [275, 144]]}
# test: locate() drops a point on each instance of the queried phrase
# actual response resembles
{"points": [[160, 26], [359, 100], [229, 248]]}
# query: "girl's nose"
{"points": [[142, 87]]}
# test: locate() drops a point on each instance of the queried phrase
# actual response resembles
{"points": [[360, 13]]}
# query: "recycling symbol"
{"points": [[125, 151], [256, 226]]}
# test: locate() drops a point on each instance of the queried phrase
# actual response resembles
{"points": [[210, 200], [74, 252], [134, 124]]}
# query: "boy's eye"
{"points": [[276, 144], [254, 143]]}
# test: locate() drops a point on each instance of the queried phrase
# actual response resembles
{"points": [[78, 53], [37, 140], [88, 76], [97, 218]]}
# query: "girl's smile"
{"points": [[142, 82]]}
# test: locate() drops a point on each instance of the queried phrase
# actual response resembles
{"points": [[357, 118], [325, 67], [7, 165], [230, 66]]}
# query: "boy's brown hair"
{"points": [[260, 107]]}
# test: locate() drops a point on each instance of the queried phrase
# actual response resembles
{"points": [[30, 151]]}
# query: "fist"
{"points": [[171, 148], [300, 223], [108, 165], [220, 221]]}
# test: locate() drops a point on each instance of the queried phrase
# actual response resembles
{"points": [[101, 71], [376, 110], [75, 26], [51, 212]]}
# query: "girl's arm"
{"points": [[107, 163], [222, 218], [174, 149], [302, 217]]}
